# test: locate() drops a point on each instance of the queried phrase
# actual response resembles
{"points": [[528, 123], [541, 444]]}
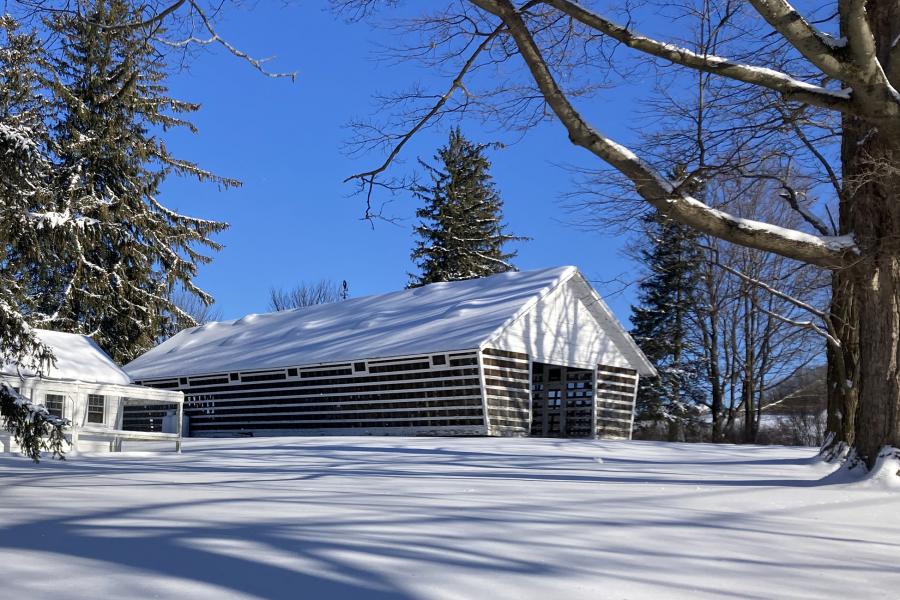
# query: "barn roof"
{"points": [[439, 317], [77, 358]]}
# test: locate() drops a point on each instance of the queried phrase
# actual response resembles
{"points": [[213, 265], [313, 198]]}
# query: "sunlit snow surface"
{"points": [[403, 518]]}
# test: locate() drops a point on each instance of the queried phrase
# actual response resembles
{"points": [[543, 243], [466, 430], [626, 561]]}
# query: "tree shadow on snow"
{"points": [[274, 542]]}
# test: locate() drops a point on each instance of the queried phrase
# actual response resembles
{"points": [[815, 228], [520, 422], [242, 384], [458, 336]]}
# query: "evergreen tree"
{"points": [[87, 246], [24, 169], [662, 323], [117, 273], [461, 230]]}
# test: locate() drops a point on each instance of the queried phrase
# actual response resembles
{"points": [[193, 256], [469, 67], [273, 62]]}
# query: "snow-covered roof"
{"points": [[439, 317], [78, 358]]}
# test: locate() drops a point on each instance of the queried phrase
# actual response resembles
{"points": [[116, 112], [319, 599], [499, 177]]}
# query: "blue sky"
{"points": [[294, 220]]}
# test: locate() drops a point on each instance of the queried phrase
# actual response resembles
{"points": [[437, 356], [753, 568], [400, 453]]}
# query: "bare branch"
{"points": [[787, 86], [832, 175], [815, 46], [256, 63], [826, 252], [368, 177], [804, 325], [778, 293], [152, 20]]}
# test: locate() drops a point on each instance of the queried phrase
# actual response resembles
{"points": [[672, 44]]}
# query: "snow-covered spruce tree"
{"points": [[116, 275], [662, 320], [461, 232], [24, 167]]}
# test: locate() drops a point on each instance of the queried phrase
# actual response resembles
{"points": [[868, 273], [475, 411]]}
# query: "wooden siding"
{"points": [[428, 394], [616, 388], [507, 392]]}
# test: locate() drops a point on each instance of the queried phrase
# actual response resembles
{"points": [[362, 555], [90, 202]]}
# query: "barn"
{"points": [[522, 353]]}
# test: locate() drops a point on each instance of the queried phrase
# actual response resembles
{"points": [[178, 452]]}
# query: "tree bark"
{"points": [[872, 172], [867, 294], [843, 362], [878, 294]]}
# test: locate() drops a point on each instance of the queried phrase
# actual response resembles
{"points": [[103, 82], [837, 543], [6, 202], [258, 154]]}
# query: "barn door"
{"points": [[562, 400]]}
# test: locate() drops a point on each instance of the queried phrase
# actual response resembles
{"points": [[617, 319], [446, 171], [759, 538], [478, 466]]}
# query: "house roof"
{"points": [[77, 358], [438, 317]]}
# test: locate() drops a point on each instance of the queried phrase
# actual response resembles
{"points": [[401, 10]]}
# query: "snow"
{"points": [[763, 75], [21, 137], [441, 519], [78, 358], [886, 472], [457, 315], [55, 220], [832, 42], [836, 243]]}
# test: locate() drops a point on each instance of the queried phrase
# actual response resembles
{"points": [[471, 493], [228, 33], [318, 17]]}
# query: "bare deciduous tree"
{"points": [[535, 57], [324, 291], [198, 310]]}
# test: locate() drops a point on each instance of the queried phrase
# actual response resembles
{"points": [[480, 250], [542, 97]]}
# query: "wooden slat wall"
{"points": [[145, 418], [507, 391], [615, 391], [433, 394], [149, 417]]}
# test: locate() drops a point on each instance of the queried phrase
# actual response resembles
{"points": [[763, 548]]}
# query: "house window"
{"points": [[96, 408], [54, 404]]}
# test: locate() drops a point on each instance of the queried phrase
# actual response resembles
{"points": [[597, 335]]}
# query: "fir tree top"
{"points": [[461, 231]]}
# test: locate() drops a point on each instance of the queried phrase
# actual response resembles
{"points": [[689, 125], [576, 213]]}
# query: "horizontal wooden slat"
{"points": [[506, 364], [505, 354], [622, 370]]}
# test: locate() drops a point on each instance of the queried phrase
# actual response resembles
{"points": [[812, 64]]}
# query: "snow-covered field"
{"points": [[404, 518]]}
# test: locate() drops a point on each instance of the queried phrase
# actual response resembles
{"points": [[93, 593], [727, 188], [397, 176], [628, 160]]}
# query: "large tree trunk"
{"points": [[866, 296], [872, 175], [878, 294]]}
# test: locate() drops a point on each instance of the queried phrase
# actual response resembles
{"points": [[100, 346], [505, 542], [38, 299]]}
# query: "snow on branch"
{"points": [[787, 86], [670, 200], [816, 46], [19, 137], [53, 220]]}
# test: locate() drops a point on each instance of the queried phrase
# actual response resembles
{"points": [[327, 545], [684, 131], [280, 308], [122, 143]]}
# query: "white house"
{"points": [[522, 353], [86, 387]]}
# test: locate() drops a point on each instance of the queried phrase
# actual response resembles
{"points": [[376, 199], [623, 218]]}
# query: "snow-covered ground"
{"points": [[404, 518]]}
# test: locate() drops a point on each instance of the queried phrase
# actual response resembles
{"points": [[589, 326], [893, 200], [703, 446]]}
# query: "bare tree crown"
{"points": [[851, 76]]}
